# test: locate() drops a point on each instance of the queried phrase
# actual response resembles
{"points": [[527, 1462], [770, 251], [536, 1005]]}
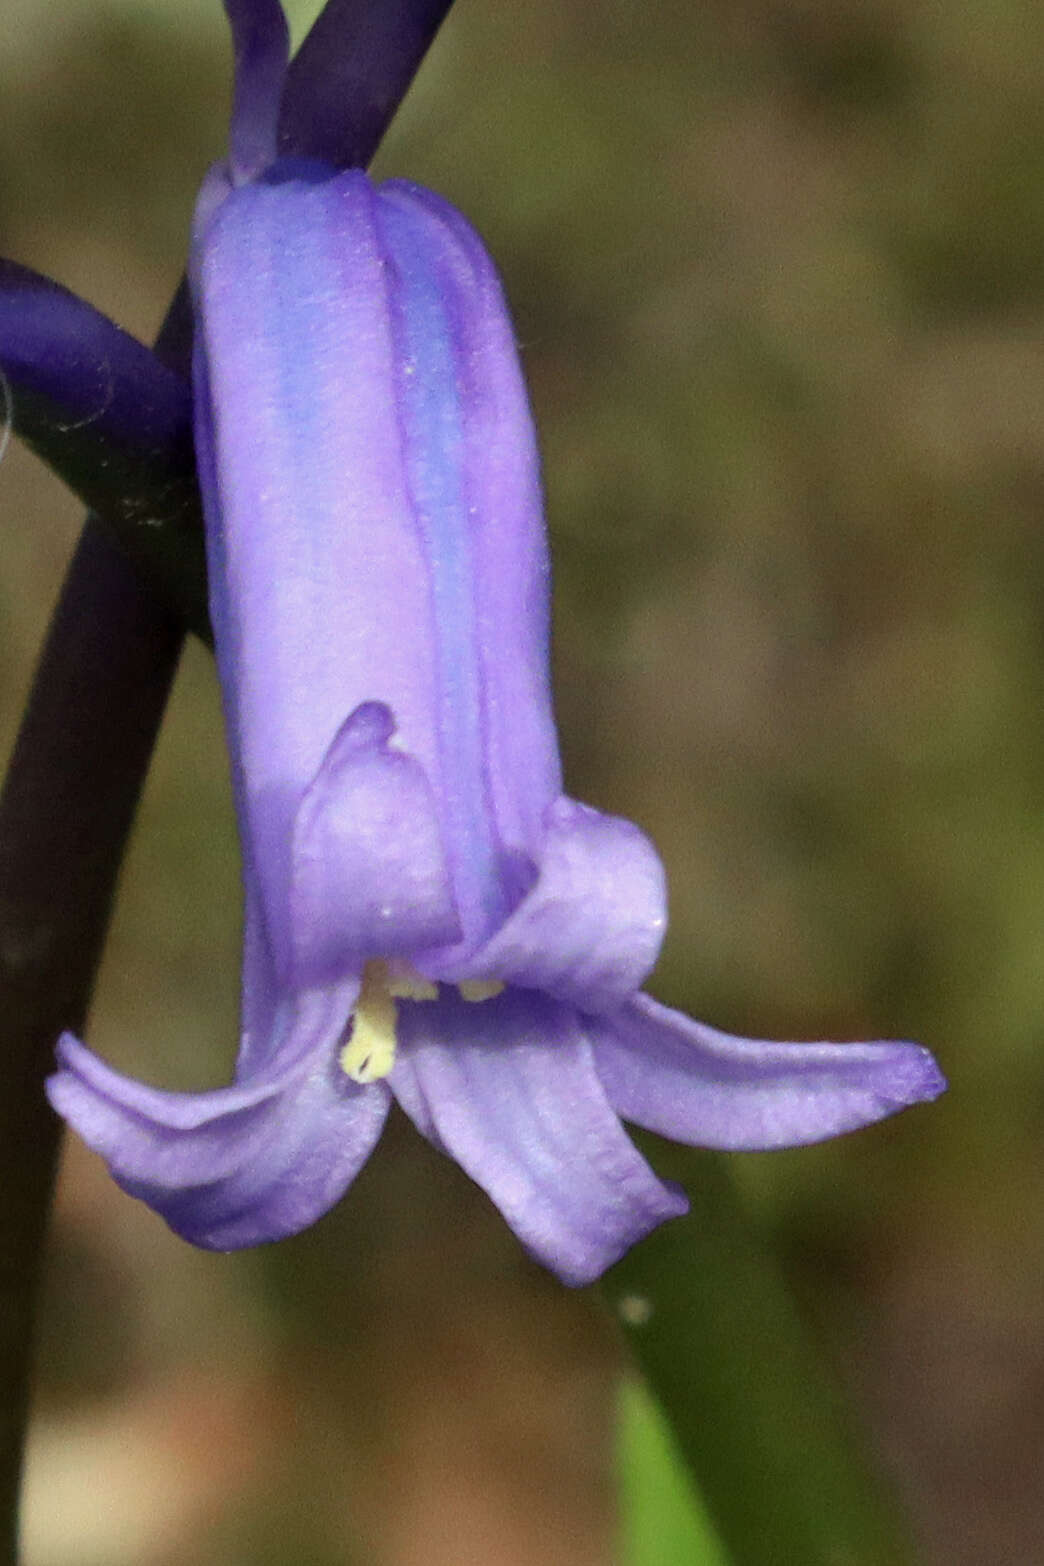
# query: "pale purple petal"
{"points": [[369, 875], [689, 1082], [410, 385], [590, 928], [504, 507], [472, 474], [260, 984], [236, 1166], [260, 993], [320, 588], [508, 1088]]}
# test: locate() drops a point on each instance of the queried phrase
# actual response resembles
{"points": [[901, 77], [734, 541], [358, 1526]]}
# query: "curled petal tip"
{"points": [[234, 1166], [918, 1076], [694, 1084]]}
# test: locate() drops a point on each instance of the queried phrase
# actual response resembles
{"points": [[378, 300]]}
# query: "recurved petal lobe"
{"points": [[684, 1080], [589, 928], [239, 1165], [509, 1089]]}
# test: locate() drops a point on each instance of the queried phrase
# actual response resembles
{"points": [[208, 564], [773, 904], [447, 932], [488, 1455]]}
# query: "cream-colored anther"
{"points": [[370, 1050], [477, 990], [405, 983]]}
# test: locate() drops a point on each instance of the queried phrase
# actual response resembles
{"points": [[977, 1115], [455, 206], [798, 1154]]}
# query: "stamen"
{"points": [[369, 1053], [405, 983], [479, 989], [370, 1050]]}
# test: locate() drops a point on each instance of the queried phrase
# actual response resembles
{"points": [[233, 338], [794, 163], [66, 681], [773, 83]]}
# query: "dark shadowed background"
{"points": [[777, 271]]}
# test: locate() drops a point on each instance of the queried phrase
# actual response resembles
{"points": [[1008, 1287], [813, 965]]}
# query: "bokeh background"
{"points": [[777, 268]]}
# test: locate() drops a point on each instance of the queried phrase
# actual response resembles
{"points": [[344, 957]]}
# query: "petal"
{"points": [[508, 1088], [693, 1084], [260, 993], [345, 331], [239, 1165], [590, 928], [320, 590], [503, 502], [369, 876]]}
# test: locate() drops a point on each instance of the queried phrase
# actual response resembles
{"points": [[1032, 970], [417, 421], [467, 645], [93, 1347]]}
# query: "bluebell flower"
{"points": [[429, 919]]}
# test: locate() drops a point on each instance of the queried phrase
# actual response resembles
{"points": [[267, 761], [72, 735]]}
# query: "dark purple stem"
{"points": [[67, 806], [358, 61], [95, 709]]}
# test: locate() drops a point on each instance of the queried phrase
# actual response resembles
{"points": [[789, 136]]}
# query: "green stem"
{"points": [[716, 1333]]}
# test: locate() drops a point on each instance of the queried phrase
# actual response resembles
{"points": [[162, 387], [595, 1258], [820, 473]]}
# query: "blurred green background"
{"points": [[777, 269]]}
